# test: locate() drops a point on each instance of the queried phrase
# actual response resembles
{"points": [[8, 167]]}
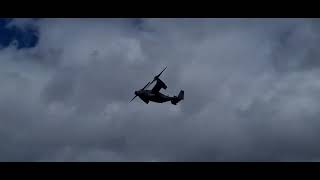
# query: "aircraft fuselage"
{"points": [[148, 95]]}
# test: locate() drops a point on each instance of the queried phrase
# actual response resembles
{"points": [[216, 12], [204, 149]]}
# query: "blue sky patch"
{"points": [[25, 38]]}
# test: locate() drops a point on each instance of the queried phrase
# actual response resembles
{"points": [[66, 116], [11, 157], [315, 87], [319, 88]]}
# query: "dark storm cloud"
{"points": [[251, 91]]}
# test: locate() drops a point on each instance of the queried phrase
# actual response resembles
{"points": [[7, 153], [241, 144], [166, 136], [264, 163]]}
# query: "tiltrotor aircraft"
{"points": [[154, 94]]}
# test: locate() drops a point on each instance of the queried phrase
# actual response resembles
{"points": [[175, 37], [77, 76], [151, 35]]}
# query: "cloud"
{"points": [[251, 91]]}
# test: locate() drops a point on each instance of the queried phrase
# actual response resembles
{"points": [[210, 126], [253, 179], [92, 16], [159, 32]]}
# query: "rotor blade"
{"points": [[141, 89], [133, 98], [145, 86], [153, 80], [160, 73]]}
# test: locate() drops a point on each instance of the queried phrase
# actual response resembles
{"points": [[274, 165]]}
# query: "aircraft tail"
{"points": [[176, 99]]}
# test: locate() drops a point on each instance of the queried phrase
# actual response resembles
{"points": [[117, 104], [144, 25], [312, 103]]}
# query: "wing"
{"points": [[160, 84]]}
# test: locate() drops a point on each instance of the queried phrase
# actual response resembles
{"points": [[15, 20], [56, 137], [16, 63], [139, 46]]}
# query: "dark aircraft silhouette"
{"points": [[154, 95]]}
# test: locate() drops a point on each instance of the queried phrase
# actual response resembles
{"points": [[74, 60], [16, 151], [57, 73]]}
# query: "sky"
{"points": [[251, 90]]}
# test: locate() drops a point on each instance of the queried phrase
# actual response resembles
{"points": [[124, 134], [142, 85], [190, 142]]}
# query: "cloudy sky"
{"points": [[252, 89]]}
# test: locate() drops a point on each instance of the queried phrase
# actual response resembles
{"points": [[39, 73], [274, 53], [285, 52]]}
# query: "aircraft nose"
{"points": [[136, 93]]}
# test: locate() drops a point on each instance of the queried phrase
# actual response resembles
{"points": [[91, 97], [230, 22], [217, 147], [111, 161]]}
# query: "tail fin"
{"points": [[181, 95], [176, 99]]}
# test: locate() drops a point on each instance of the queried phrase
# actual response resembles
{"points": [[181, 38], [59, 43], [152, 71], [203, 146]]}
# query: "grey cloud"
{"points": [[251, 91]]}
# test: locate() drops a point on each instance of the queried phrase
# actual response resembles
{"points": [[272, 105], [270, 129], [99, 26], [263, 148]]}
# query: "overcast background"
{"points": [[252, 90]]}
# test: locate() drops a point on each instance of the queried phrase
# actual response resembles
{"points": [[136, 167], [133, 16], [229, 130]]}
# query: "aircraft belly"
{"points": [[154, 99], [144, 99], [159, 98]]}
